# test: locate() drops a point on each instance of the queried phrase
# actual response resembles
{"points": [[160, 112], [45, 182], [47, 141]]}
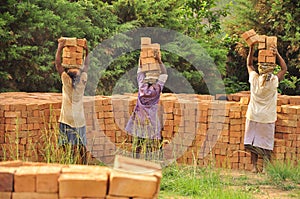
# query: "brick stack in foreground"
{"points": [[21, 180]]}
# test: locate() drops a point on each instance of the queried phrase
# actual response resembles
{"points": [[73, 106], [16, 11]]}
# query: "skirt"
{"points": [[259, 134]]}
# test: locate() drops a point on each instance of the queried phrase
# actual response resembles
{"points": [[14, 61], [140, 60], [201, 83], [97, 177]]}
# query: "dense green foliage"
{"points": [[29, 31], [274, 18]]}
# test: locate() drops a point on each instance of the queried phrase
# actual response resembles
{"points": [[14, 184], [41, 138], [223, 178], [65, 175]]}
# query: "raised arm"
{"points": [[161, 64], [61, 44], [86, 60], [282, 63], [250, 66]]}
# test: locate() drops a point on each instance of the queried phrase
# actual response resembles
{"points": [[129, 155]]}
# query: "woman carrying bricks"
{"points": [[261, 113], [144, 124], [72, 124]]}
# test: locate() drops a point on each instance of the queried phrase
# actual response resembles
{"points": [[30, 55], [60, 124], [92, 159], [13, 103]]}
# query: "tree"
{"points": [[275, 17], [29, 32]]}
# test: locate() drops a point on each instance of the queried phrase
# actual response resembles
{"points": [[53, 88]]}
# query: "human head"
{"points": [[265, 68], [74, 74], [151, 77]]}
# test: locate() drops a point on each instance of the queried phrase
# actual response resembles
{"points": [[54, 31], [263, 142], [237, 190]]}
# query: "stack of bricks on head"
{"points": [[128, 179], [265, 55], [73, 52], [149, 64]]}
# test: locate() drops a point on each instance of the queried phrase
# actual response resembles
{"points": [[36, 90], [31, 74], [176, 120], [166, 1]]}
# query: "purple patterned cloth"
{"points": [[145, 120]]}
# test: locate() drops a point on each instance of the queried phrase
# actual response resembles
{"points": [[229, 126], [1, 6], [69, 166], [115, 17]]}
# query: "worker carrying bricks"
{"points": [[261, 112], [73, 72], [144, 124]]}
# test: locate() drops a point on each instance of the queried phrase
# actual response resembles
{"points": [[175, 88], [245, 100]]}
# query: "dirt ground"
{"points": [[259, 185]]}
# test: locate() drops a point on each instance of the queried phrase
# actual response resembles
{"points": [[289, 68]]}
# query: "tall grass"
{"points": [[44, 148]]}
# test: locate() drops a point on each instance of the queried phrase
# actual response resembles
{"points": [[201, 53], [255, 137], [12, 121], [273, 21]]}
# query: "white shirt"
{"points": [[72, 112], [263, 99]]}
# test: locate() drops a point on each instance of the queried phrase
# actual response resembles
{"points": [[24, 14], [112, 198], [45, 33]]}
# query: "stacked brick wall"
{"points": [[196, 128]]}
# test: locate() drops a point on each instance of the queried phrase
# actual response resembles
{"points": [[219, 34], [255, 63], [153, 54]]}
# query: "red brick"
{"points": [[145, 40], [34, 195], [252, 40], [81, 42], [6, 179], [144, 53], [25, 179], [117, 197], [5, 195], [261, 46], [13, 114], [248, 34], [261, 58], [270, 59], [132, 184], [79, 49], [46, 180], [69, 41], [266, 53], [271, 40], [78, 185]]}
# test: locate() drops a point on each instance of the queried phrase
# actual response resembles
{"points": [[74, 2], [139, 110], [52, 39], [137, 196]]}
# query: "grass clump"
{"points": [[196, 182], [284, 175]]}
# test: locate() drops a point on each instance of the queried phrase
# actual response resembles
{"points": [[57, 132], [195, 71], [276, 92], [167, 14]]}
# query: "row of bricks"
{"points": [[70, 181], [39, 101], [237, 158]]}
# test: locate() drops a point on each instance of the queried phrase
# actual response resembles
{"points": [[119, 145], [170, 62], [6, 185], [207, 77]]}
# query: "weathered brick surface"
{"points": [[34, 195], [132, 184], [5, 195], [78, 185], [47, 179], [7, 179], [81, 181], [116, 197], [25, 179]]}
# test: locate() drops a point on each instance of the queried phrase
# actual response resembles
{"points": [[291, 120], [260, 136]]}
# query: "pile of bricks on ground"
{"points": [[198, 128], [22, 180]]}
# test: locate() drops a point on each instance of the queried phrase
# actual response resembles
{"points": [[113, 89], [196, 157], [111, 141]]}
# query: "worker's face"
{"points": [[74, 74]]}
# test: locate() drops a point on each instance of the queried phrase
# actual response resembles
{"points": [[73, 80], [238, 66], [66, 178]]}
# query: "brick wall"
{"points": [[196, 128]]}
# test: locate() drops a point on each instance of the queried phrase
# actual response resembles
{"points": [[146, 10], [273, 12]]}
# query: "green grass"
{"points": [[196, 182], [284, 175]]}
